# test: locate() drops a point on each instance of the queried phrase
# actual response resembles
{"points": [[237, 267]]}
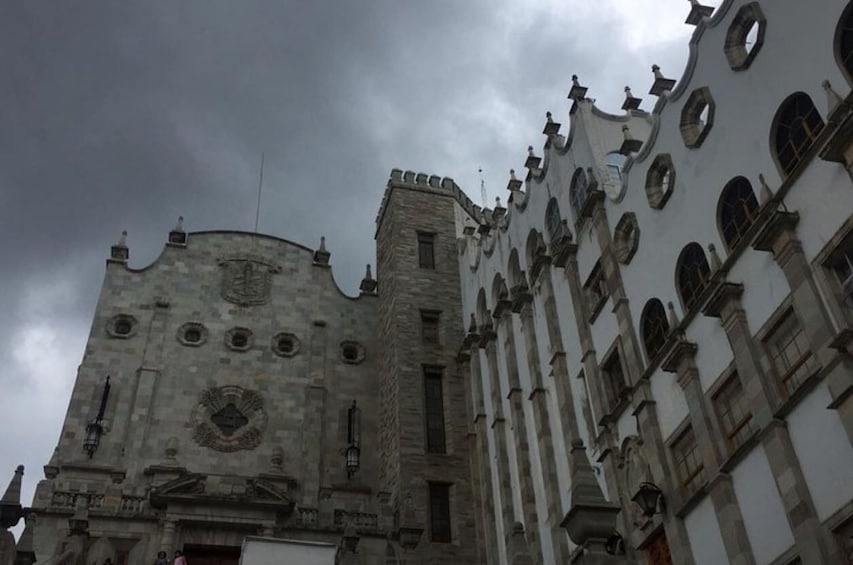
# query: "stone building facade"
{"points": [[645, 357]]}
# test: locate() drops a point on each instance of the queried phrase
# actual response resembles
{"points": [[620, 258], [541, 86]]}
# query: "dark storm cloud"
{"points": [[124, 115]]}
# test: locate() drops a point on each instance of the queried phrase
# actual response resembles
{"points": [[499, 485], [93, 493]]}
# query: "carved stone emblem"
{"points": [[246, 280], [229, 418]]}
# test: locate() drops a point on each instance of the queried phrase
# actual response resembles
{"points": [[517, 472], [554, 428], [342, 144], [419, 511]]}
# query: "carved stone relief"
{"points": [[229, 418], [246, 280]]}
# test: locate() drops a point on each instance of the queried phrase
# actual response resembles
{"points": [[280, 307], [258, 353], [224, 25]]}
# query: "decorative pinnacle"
{"points": [[626, 132], [656, 71], [13, 492], [180, 225], [551, 119], [368, 275], [498, 202], [472, 326], [628, 92], [322, 243], [833, 100], [716, 264], [530, 151], [673, 318], [122, 241], [766, 194], [575, 80], [512, 175]]}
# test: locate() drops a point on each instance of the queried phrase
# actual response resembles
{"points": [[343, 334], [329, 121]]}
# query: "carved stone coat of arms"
{"points": [[246, 281]]}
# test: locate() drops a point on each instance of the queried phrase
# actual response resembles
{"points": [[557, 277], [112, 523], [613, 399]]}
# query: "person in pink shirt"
{"points": [[179, 558]]}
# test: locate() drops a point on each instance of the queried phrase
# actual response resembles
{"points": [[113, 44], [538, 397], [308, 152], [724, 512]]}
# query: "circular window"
{"points": [[192, 334], [352, 352], [285, 344], [122, 326], [745, 36], [238, 339], [697, 117]]}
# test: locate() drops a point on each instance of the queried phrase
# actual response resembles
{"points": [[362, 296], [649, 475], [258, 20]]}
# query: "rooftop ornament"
{"points": [[629, 145], [119, 252], [631, 102], [532, 160], [697, 12], [661, 84], [178, 236], [577, 92], [551, 127]]}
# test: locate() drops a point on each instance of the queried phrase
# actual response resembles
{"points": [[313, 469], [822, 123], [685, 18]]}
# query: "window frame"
{"points": [[435, 421], [724, 398], [844, 28], [431, 319], [616, 389], [785, 374], [596, 291], [662, 321], [426, 240], [686, 483], [800, 151], [737, 192], [691, 297], [440, 515]]}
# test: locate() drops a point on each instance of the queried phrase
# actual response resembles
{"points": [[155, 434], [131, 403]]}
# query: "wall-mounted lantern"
{"points": [[615, 544], [353, 451], [95, 427], [649, 498]]}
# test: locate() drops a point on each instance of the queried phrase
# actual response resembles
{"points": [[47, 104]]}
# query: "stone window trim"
{"points": [[435, 421], [626, 238], [122, 326], [654, 330], [577, 193], [285, 344], [239, 339], [615, 381], [738, 454], [192, 334], [738, 51], [596, 291], [440, 513], [431, 327], [694, 129], [426, 249], [352, 352], [660, 181], [737, 212], [833, 271], [734, 415], [794, 132], [687, 464], [843, 43], [789, 356]]}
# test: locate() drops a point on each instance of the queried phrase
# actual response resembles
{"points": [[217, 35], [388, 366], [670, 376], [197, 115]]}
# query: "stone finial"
{"points": [[551, 127], [661, 84], [368, 283], [532, 161], [119, 252], [629, 144], [631, 102], [171, 450], [25, 552], [512, 175], [765, 194], [498, 202], [590, 515], [514, 184], [321, 255], [716, 263], [673, 317], [833, 99], [178, 236], [10, 505], [697, 12], [472, 325], [577, 92]]}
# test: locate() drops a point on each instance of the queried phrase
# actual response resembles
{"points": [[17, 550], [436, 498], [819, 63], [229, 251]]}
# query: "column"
{"points": [[523, 303], [167, 536], [519, 431], [463, 366], [489, 345]]}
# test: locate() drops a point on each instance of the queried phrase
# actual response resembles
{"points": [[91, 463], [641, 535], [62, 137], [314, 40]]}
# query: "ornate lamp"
{"points": [[352, 451], [649, 498], [615, 544], [95, 427]]}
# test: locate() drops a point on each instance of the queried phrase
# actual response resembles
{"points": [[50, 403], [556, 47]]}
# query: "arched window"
{"points": [[553, 219], [692, 274], [795, 127], [737, 210], [654, 327], [844, 41], [577, 191]]}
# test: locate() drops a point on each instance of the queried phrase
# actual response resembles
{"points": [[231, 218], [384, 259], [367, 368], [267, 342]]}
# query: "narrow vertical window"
{"points": [[614, 378], [790, 353], [439, 512], [429, 326], [434, 401], [426, 250], [735, 416], [688, 462]]}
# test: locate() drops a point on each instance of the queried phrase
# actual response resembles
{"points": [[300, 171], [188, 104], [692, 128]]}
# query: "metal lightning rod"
{"points": [[260, 187], [482, 187]]}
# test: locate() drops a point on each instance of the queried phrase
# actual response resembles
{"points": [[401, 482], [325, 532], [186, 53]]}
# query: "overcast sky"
{"points": [[125, 115]]}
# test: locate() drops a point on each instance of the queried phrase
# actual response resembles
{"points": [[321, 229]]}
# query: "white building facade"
{"points": [[664, 311]]}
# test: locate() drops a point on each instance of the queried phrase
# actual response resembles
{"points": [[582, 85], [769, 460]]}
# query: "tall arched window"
{"points": [[553, 219], [844, 41], [577, 191], [795, 127], [737, 210], [692, 274], [654, 327]]}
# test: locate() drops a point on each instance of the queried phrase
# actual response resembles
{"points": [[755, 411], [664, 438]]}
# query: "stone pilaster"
{"points": [[487, 506], [167, 536], [539, 400], [501, 461], [463, 366], [730, 520], [520, 437]]}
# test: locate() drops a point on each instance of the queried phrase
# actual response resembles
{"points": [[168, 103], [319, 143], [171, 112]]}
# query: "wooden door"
{"points": [[657, 550]]}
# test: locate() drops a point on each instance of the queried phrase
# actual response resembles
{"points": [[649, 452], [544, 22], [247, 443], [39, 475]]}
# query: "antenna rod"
{"points": [[482, 186], [260, 186]]}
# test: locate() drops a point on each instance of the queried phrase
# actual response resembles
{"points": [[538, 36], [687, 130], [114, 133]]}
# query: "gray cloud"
{"points": [[126, 115]]}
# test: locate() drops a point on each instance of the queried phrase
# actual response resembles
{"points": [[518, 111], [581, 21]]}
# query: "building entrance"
{"points": [[212, 555]]}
